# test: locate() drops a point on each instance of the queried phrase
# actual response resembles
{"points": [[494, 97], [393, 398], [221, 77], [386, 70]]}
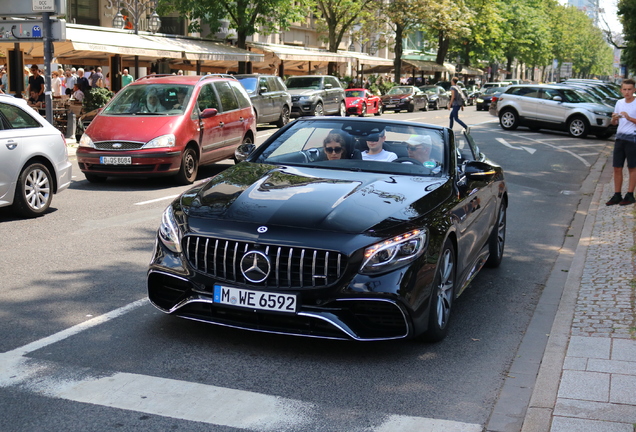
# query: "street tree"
{"points": [[338, 18], [245, 16], [627, 15]]}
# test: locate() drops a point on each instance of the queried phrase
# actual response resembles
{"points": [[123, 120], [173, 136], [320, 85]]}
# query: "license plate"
{"points": [[115, 160], [390, 106], [254, 299]]}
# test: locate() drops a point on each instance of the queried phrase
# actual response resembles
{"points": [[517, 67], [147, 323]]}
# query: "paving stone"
{"points": [[576, 363], [589, 347], [623, 389], [590, 410], [611, 366], [563, 424], [624, 350], [592, 386]]}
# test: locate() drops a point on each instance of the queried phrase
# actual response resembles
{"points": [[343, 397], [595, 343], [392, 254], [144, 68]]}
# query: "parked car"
{"points": [[290, 242], [557, 107], [34, 161], [316, 95], [269, 96], [409, 98], [361, 102], [593, 94], [482, 102], [437, 96], [495, 84], [83, 121], [167, 126]]}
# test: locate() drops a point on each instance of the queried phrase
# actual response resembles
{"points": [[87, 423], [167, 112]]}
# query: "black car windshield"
{"points": [[343, 144], [150, 99], [430, 90], [400, 90], [574, 96], [303, 83]]}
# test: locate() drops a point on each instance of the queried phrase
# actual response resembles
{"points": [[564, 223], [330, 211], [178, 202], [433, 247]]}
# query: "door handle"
{"points": [[241, 119], [221, 124], [11, 145]]}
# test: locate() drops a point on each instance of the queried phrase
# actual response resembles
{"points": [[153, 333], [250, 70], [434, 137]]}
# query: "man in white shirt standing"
{"points": [[376, 152], [625, 144]]}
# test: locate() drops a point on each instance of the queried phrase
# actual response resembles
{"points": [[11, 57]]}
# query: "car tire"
{"points": [[319, 111], [425, 106], [92, 178], [379, 111], [443, 295], [497, 240], [34, 191], [578, 127], [508, 119], [364, 110], [436, 106], [246, 140], [411, 107], [189, 167], [343, 110], [284, 116]]}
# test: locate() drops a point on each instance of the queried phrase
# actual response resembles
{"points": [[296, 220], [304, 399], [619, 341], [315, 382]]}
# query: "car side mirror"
{"points": [[557, 98], [209, 112], [243, 151], [328, 86], [479, 171], [263, 89]]}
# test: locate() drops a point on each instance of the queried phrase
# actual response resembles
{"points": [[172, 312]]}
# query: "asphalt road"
{"points": [[138, 370]]}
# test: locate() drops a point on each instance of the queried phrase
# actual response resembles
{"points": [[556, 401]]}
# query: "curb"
{"points": [[539, 413]]}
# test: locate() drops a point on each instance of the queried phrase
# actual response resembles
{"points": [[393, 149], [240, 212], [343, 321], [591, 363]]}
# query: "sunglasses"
{"points": [[336, 150], [413, 147]]}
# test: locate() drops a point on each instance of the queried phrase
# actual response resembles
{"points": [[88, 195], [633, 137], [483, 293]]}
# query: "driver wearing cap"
{"points": [[419, 148], [376, 152]]}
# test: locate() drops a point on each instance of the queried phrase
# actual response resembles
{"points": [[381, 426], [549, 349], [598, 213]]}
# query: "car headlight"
{"points": [[479, 100], [169, 232], [310, 97], [86, 141], [356, 102], [392, 253], [162, 141]]}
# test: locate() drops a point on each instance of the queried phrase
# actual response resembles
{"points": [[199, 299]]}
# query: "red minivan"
{"points": [[162, 125]]}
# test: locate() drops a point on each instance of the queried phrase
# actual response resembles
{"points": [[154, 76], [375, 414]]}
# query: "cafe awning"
{"points": [[288, 52], [366, 59], [85, 43], [428, 66]]}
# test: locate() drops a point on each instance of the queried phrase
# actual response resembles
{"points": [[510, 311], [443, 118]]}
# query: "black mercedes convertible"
{"points": [[341, 228]]}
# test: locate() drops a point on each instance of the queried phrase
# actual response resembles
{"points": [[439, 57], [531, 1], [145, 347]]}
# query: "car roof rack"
{"points": [[216, 75]]}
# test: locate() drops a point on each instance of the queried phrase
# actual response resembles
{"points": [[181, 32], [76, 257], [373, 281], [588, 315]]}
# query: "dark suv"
{"points": [[316, 95], [270, 98]]}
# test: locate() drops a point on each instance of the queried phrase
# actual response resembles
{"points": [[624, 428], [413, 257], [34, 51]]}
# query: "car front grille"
{"points": [[295, 98], [289, 267], [118, 145]]}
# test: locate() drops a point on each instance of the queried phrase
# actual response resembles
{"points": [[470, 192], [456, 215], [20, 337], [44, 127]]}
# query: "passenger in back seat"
{"points": [[376, 152]]}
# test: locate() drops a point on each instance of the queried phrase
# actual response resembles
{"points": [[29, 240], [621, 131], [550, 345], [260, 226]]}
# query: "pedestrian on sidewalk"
{"points": [[625, 144], [456, 103]]}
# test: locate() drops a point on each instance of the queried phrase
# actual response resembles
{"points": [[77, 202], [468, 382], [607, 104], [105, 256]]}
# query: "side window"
{"points": [[526, 91], [549, 94], [280, 84], [242, 97], [228, 99], [17, 118], [332, 81], [262, 82], [207, 98]]}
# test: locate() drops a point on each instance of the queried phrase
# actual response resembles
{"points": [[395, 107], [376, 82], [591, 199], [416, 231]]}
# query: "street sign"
{"points": [[30, 30], [19, 8], [43, 6]]}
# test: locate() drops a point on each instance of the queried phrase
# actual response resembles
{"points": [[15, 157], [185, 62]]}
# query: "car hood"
{"points": [[303, 92], [397, 96], [140, 128], [594, 107], [351, 100], [313, 198]]}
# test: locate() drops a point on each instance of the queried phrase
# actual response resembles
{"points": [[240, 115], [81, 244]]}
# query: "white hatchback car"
{"points": [[34, 161]]}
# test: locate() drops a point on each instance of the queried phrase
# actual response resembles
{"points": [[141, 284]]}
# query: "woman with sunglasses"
{"points": [[334, 146]]}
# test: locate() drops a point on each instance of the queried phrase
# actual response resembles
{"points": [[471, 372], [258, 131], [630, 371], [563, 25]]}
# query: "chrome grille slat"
{"points": [[290, 267]]}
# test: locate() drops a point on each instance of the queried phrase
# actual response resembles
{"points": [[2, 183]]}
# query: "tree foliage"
{"points": [[627, 15]]}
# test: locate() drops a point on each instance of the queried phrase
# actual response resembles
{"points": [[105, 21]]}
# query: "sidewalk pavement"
{"points": [[587, 379]]}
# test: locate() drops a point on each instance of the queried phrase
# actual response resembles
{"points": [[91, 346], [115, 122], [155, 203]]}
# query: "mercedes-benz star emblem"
{"points": [[262, 229], [255, 266]]}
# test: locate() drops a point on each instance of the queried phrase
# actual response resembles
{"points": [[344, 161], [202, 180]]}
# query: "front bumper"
{"points": [[345, 310], [303, 108], [144, 163]]}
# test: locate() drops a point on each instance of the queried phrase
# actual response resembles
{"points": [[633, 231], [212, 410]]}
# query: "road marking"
{"points": [[586, 163], [507, 144], [187, 400], [156, 200]]}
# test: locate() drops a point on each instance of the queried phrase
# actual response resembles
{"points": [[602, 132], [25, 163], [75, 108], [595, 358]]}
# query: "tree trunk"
{"points": [[509, 61], [399, 48], [442, 51], [241, 43]]}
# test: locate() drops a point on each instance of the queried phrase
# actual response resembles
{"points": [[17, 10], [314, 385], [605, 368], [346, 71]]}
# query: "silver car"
{"points": [[556, 107], [34, 161]]}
